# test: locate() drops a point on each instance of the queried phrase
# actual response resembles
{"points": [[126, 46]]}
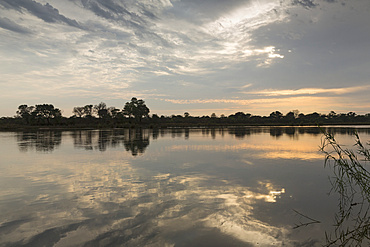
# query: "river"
{"points": [[168, 187]]}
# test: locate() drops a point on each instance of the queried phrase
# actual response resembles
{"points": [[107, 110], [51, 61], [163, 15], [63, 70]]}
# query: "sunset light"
{"points": [[72, 53]]}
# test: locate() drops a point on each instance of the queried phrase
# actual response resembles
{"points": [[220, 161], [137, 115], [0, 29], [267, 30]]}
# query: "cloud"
{"points": [[205, 10], [132, 14], [305, 3], [45, 12], [305, 99], [283, 149], [12, 26], [227, 101], [193, 49], [309, 91], [247, 86]]}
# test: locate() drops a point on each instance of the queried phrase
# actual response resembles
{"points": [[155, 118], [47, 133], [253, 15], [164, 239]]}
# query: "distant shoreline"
{"points": [[165, 126]]}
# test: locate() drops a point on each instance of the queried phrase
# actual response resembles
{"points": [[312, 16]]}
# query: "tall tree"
{"points": [[46, 111], [136, 108], [101, 110], [25, 112], [88, 110]]}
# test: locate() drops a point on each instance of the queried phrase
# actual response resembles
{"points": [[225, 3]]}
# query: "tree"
{"points": [[312, 117], [88, 110], [351, 114], [83, 111], [290, 116], [78, 111], [113, 112], [296, 113], [276, 115], [101, 110], [46, 111], [155, 118], [332, 114], [136, 108], [240, 114], [25, 112]]}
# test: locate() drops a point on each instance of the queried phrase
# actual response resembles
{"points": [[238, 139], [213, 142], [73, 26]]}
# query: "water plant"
{"points": [[350, 180]]}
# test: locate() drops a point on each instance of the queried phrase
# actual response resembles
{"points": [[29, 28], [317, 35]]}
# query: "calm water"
{"points": [[176, 187]]}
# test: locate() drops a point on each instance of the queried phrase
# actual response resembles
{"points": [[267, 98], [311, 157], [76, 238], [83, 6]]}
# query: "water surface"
{"points": [[171, 187]]}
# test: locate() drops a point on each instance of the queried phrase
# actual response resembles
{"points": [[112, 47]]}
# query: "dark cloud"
{"points": [[305, 3], [10, 4], [140, 22], [94, 7], [115, 12], [45, 12], [114, 7], [12, 26], [112, 11]]}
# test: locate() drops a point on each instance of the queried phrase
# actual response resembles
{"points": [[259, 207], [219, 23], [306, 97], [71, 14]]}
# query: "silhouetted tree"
{"points": [[78, 111], [25, 112], [313, 116], [351, 114], [46, 111], [332, 114], [113, 112], [155, 118], [276, 115], [88, 110], [290, 116], [101, 110], [136, 108], [239, 117], [296, 113]]}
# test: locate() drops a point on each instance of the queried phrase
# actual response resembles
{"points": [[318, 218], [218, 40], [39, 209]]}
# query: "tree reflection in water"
{"points": [[136, 142], [155, 202], [133, 140], [41, 141]]}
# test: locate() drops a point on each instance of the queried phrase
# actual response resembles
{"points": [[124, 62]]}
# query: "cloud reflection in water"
{"points": [[116, 203], [186, 188]]}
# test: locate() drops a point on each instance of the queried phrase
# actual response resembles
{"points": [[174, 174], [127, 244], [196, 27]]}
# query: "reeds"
{"points": [[351, 181]]}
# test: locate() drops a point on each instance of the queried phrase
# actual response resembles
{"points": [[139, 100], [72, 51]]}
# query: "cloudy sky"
{"points": [[196, 56]]}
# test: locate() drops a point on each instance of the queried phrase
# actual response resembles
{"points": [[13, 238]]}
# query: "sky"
{"points": [[196, 56]]}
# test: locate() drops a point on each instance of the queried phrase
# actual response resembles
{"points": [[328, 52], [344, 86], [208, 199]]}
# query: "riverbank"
{"points": [[23, 127]]}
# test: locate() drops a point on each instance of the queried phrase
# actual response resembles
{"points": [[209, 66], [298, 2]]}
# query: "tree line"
{"points": [[135, 112], [46, 114], [136, 108]]}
